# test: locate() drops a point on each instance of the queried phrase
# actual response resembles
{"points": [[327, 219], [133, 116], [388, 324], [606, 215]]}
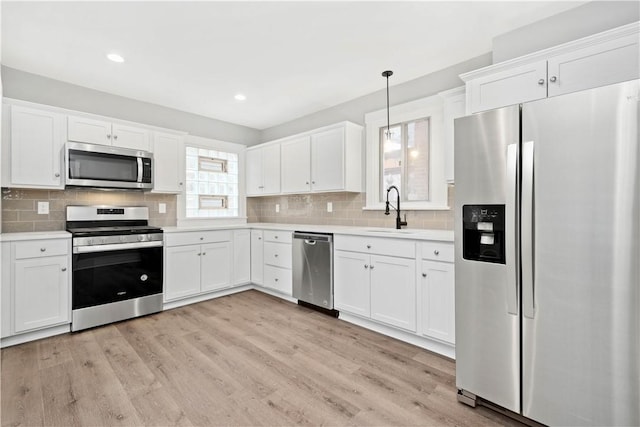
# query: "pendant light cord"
{"points": [[387, 74]]}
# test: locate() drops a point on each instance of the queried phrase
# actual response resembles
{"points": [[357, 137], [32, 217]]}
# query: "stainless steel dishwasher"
{"points": [[313, 270]]}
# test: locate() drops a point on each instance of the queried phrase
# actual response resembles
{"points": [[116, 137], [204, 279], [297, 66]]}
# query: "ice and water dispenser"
{"points": [[483, 233]]}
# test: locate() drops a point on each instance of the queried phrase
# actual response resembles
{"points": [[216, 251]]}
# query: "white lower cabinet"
{"points": [[375, 286], [257, 257], [197, 263], [241, 257], [438, 300], [393, 291], [277, 257], [39, 287]]}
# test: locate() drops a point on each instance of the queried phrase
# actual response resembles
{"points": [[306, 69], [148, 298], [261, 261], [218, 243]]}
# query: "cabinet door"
{"points": [[215, 266], [241, 256], [296, 171], [131, 137], [167, 177], [254, 172], [41, 293], [454, 106], [327, 160], [271, 169], [513, 86], [82, 129], [257, 257], [351, 282], [182, 272], [438, 300], [36, 148], [393, 291], [594, 66]]}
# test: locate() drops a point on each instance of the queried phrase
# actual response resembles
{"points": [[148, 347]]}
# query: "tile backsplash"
{"points": [[20, 206], [347, 210]]}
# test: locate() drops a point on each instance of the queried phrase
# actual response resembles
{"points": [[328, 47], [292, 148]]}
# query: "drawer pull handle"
{"points": [[43, 249], [436, 252], [424, 274], [64, 268]]}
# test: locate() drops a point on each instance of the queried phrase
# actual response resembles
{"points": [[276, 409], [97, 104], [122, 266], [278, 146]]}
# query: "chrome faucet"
{"points": [[399, 222]]}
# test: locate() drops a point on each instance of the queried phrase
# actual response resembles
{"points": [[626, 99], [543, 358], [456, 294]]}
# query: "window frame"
{"points": [[431, 107], [212, 144]]}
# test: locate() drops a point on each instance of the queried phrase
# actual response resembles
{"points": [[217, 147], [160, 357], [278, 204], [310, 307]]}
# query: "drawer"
{"points": [[41, 248], [376, 245], [438, 251], [277, 236], [278, 279], [277, 254], [196, 237]]}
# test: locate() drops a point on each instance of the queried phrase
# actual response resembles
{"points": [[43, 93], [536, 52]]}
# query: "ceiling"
{"points": [[290, 59]]}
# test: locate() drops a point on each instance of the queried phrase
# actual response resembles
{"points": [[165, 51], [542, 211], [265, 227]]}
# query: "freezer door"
{"points": [[487, 325], [581, 287]]}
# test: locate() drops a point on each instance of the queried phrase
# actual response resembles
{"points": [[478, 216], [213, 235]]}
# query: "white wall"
{"points": [[35, 88], [593, 17]]}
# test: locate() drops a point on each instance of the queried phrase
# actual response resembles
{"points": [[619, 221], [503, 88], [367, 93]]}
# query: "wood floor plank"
{"points": [[247, 359]]}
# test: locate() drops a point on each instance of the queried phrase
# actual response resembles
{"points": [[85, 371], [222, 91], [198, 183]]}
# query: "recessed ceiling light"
{"points": [[240, 97], [115, 57]]}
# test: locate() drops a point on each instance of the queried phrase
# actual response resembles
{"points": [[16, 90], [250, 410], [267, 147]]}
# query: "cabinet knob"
{"points": [[275, 237], [108, 136], [57, 175], [202, 238], [275, 255], [313, 182], [64, 268], [553, 79], [368, 246], [366, 266], [179, 183], [424, 274], [276, 279], [541, 82], [371, 267], [204, 253], [259, 238], [43, 249], [115, 136], [307, 182], [436, 252]]}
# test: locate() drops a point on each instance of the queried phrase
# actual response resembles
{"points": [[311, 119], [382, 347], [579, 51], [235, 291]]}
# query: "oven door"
{"points": [[111, 276]]}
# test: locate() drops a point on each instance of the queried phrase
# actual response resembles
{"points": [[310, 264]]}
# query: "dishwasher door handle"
{"points": [[309, 242]]}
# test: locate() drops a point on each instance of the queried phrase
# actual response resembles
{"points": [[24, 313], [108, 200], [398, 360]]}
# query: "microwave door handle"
{"points": [[140, 170]]}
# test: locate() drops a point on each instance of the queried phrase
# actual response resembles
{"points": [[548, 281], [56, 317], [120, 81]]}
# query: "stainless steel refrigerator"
{"points": [[547, 257]]}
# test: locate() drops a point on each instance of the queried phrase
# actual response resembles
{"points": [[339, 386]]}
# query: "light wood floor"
{"points": [[246, 359]]}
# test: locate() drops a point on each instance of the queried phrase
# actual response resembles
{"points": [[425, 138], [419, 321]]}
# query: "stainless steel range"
{"points": [[117, 264]]}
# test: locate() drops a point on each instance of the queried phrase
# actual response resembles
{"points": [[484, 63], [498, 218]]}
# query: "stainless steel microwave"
{"points": [[103, 166]]}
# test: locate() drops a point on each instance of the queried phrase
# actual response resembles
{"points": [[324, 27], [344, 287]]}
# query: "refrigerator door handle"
{"points": [[527, 230], [511, 249]]}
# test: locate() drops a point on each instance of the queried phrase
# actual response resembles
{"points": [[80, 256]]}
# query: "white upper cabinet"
{"points": [[605, 58], [32, 148], [168, 162], [326, 159], [92, 131], [453, 106], [263, 170], [295, 164]]}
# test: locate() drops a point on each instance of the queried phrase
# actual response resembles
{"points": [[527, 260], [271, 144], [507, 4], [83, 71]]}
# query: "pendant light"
{"points": [[387, 74]]}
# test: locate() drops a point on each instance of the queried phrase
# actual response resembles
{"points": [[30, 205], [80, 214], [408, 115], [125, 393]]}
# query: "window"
{"points": [[212, 183], [404, 160], [414, 158]]}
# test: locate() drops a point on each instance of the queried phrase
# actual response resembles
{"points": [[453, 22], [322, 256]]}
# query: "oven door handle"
{"points": [[116, 247]]}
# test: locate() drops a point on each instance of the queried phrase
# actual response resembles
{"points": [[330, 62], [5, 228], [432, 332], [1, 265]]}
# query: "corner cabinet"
{"points": [[605, 58], [38, 292], [263, 170], [32, 145]]}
